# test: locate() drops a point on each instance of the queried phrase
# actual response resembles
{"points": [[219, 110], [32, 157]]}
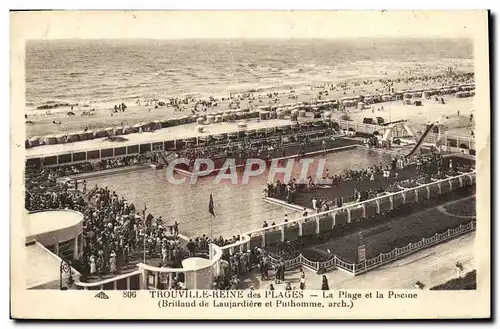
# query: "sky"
{"points": [[246, 24]]}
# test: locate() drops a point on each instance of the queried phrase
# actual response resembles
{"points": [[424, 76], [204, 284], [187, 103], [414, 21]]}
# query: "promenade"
{"points": [[431, 266]]}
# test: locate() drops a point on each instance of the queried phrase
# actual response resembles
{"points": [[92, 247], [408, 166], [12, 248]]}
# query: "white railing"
{"points": [[216, 254], [245, 238], [419, 189], [381, 259]]}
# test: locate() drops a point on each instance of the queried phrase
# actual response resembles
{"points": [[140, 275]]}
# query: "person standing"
{"points": [[302, 285], [112, 261], [176, 229], [324, 283], [278, 273], [282, 270], [93, 267]]}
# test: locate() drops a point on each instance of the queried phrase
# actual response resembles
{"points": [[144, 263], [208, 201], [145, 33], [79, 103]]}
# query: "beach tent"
{"points": [[110, 131], [137, 127], [34, 141], [100, 133], [183, 120], [280, 114], [50, 140], [264, 115], [120, 130], [82, 136], [61, 139], [156, 124]]}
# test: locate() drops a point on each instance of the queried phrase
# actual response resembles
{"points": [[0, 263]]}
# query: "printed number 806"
{"points": [[129, 294]]}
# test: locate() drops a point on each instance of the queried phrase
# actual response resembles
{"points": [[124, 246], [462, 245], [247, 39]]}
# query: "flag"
{"points": [[211, 205]]}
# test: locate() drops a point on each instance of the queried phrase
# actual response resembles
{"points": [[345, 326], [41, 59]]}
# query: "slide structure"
{"points": [[169, 157], [159, 154], [421, 140]]}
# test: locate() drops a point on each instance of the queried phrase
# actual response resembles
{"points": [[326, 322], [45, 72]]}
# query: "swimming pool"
{"points": [[238, 208]]}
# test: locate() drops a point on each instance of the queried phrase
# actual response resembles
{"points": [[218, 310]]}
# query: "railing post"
{"points": [[300, 228], [378, 206], [334, 214], [428, 191], [348, 215], [143, 285], [439, 187], [391, 199], [317, 224], [403, 194], [263, 235], [416, 195], [282, 230]]}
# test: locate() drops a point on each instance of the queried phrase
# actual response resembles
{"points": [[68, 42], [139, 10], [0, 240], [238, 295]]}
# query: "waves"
{"points": [[75, 74]]}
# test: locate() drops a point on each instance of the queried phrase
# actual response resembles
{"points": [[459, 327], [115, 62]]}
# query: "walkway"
{"points": [[431, 266]]}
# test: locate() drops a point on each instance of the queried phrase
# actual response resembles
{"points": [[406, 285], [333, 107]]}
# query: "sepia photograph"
{"points": [[253, 164]]}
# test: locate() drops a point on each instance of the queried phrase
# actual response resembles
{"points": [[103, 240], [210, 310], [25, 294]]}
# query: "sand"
{"points": [[103, 117]]}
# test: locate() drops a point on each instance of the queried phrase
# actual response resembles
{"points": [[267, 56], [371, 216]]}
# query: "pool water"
{"points": [[238, 208]]}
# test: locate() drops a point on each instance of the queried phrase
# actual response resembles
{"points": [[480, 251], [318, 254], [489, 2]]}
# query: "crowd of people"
{"points": [[429, 167], [92, 166], [114, 231]]}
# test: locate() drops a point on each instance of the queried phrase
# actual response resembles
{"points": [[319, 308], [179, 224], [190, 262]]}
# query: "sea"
{"points": [[103, 71]]}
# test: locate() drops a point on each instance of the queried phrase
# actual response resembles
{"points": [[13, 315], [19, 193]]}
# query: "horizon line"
{"points": [[262, 38]]}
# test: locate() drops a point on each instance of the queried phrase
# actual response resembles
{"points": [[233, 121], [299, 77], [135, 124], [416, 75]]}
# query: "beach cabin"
{"points": [[210, 119], [264, 115]]}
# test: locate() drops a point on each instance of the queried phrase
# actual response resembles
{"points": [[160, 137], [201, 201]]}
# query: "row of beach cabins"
{"points": [[320, 108]]}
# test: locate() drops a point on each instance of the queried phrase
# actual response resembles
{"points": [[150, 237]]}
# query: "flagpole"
{"points": [[211, 226]]}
